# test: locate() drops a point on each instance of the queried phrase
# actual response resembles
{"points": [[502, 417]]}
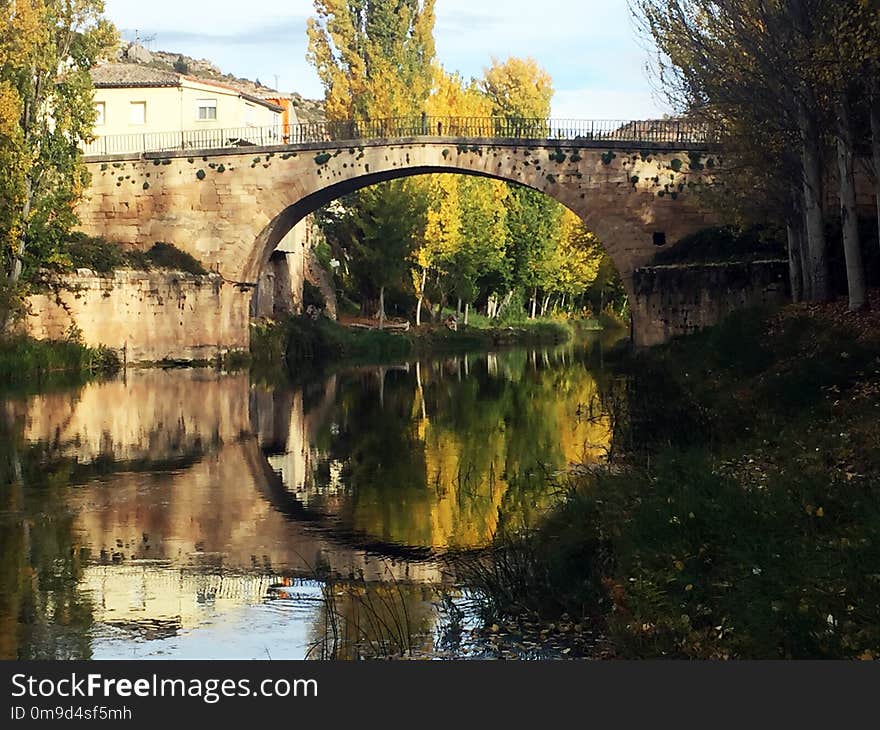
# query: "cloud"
{"points": [[590, 47], [203, 17], [284, 32]]}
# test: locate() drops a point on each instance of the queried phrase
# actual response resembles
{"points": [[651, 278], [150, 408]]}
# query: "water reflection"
{"points": [[193, 514], [440, 454]]}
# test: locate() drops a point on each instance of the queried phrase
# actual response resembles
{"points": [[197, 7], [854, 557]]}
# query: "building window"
{"points": [[660, 238], [139, 112], [101, 111], [207, 110]]}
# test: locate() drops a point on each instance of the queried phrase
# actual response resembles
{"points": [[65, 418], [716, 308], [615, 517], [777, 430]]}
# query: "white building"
{"points": [[141, 108]]}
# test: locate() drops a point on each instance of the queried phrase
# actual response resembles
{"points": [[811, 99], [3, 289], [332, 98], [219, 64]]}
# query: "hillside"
{"points": [[308, 111]]}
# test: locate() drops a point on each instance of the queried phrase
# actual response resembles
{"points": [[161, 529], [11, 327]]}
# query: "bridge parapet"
{"points": [[645, 133]]}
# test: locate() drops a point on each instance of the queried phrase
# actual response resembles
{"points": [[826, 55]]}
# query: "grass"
{"points": [[744, 520], [297, 347], [482, 333], [368, 620], [301, 343], [27, 363]]}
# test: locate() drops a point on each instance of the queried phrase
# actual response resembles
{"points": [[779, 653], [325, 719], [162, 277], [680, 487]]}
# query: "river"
{"points": [[199, 514]]}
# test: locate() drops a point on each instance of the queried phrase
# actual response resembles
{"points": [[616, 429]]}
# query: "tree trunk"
{"points": [[458, 308], [534, 302], [382, 308], [875, 140], [504, 305], [855, 270], [16, 265], [816, 262], [421, 298], [794, 231], [544, 305], [492, 307], [467, 310]]}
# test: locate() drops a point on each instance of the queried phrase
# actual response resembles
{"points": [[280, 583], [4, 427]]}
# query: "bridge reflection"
{"points": [[171, 498]]}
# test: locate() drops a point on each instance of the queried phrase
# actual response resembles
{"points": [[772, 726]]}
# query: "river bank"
{"points": [[301, 343], [740, 517], [27, 364]]}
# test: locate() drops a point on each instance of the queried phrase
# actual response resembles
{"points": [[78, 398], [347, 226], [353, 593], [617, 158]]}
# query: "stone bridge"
{"points": [[231, 205]]}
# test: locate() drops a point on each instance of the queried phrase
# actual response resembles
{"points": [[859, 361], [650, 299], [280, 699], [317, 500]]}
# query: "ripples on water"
{"points": [[192, 514]]}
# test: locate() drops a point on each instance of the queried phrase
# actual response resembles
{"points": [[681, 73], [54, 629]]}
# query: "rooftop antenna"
{"points": [[276, 82]]}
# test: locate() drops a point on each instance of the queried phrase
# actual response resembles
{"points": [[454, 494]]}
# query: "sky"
{"points": [[589, 47]]}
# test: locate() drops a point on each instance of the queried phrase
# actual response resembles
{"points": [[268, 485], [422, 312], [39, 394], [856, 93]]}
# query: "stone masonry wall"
{"points": [[677, 300], [231, 209], [147, 316]]}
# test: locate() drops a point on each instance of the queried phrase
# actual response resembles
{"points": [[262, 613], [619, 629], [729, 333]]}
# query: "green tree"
{"points": [[375, 60], [374, 57], [781, 78], [47, 49], [534, 223], [464, 242], [485, 239], [519, 89]]}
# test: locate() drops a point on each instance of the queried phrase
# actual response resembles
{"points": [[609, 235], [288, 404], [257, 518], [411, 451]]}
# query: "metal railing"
{"points": [[647, 132]]}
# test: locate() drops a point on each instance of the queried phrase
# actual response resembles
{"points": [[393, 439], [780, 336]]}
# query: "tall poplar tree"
{"points": [[47, 49], [783, 78], [375, 60]]}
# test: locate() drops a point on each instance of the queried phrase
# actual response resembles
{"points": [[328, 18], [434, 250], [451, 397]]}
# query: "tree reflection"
{"points": [[43, 612], [441, 454]]}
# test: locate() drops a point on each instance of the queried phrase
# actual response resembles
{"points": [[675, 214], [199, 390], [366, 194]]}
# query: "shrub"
{"points": [[24, 360], [104, 257], [312, 296], [167, 256]]}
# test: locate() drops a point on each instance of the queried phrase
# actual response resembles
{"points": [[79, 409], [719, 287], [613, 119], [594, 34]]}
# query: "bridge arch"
{"points": [[230, 208], [606, 226]]}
